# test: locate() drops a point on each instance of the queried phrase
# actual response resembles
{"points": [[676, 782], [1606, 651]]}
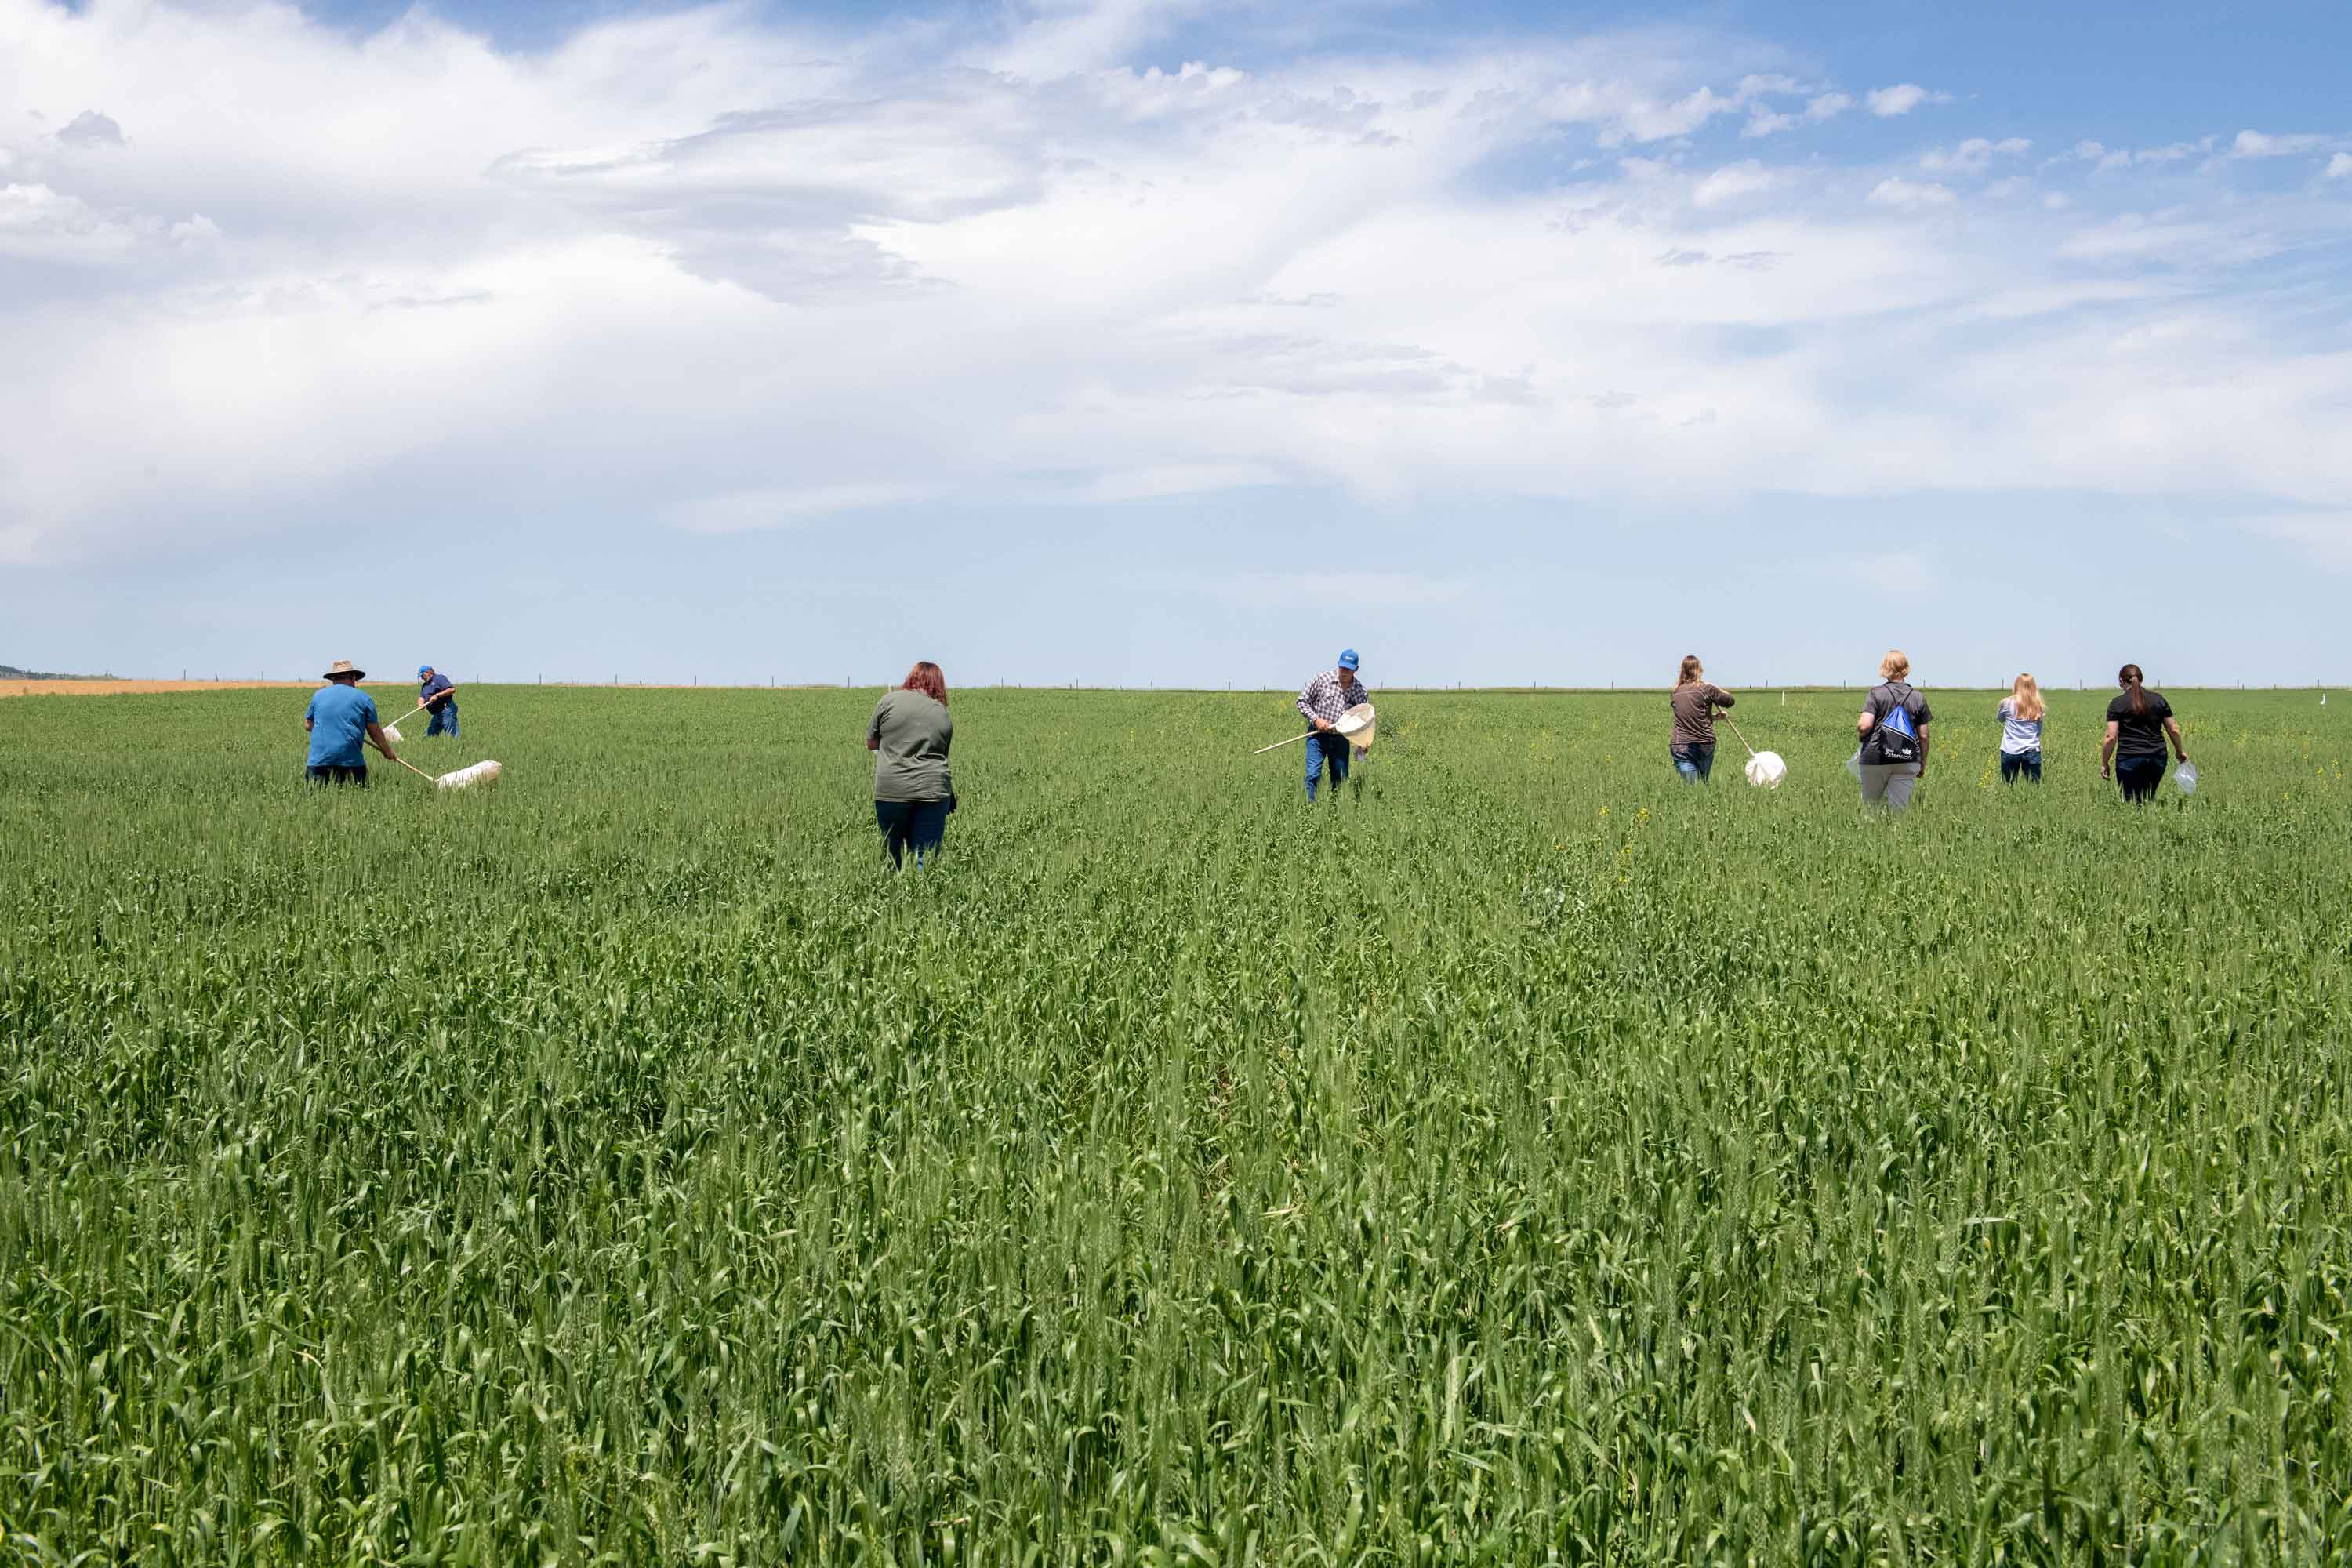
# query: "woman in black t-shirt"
{"points": [[2137, 723]]}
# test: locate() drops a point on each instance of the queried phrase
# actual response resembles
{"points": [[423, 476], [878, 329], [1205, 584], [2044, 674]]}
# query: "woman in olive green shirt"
{"points": [[909, 735]]}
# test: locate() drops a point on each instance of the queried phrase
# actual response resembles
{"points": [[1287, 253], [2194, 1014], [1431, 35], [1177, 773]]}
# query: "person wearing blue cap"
{"points": [[1330, 694], [439, 695]]}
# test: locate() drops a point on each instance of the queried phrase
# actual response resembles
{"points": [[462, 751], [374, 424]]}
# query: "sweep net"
{"points": [[467, 778]]}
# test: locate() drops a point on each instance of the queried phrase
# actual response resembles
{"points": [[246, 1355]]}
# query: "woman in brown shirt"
{"points": [[1691, 742]]}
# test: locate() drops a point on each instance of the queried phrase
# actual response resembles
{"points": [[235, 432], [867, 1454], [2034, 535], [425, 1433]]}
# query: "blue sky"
{"points": [[1177, 342]]}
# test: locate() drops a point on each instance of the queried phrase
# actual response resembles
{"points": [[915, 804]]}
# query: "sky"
{"points": [[1176, 342]]}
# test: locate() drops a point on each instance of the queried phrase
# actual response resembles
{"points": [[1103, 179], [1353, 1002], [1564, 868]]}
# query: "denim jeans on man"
{"points": [[919, 825], [1693, 762], [1325, 748], [2139, 776], [445, 718], [2016, 764]]}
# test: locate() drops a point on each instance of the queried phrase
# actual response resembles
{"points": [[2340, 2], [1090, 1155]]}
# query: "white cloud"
{"points": [[2109, 158], [708, 270], [1733, 181], [91, 129], [733, 512], [2257, 144], [1164, 480], [1764, 121], [1885, 101], [2339, 165], [1973, 156], [38, 224], [1895, 191]]}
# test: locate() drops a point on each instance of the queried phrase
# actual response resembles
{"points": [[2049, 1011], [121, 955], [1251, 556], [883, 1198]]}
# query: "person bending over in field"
{"points": [[909, 735], [1321, 702], [1691, 742], [439, 695], [1894, 730], [2137, 723], [340, 719], [2021, 731]]}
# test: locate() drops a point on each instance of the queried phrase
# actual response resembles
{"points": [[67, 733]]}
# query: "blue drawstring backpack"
{"points": [[1898, 738]]}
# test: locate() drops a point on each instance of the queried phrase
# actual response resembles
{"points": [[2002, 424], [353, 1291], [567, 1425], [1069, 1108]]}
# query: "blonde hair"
{"points": [[1691, 671], [2025, 698], [1895, 666]]}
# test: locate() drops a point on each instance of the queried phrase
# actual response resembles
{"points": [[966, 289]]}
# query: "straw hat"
{"points": [[343, 667]]}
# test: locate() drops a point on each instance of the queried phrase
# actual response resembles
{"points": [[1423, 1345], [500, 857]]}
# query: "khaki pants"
{"points": [[1888, 784]]}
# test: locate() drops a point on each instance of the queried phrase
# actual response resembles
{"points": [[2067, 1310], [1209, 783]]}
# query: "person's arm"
{"points": [[2172, 728], [1925, 726], [2107, 751], [1862, 725], [1307, 713], [874, 730], [1721, 698], [375, 733], [306, 724]]}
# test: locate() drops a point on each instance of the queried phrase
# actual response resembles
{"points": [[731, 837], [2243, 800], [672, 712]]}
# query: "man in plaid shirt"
{"points": [[1328, 696]]}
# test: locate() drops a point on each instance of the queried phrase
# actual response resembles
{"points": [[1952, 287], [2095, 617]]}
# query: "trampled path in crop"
{"points": [[1528, 1159]]}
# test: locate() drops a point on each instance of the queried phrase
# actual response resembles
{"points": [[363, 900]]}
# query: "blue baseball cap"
{"points": [[1347, 658], [424, 670]]}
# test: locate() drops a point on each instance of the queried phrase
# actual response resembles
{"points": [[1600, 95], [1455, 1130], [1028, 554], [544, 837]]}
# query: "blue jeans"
{"points": [[2139, 776], [444, 718], [1323, 751], [917, 823], [2013, 763], [1693, 762]]}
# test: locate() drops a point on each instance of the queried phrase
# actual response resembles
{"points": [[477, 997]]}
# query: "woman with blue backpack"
{"points": [[1893, 725]]}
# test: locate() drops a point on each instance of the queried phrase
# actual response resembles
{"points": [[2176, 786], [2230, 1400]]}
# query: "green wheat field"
{"points": [[1527, 1160]]}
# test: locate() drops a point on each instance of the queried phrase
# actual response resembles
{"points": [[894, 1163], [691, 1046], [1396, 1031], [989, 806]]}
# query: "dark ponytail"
{"points": [[2129, 679]]}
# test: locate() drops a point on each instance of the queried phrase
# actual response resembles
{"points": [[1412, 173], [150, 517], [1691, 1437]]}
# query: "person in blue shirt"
{"points": [[439, 695], [340, 719]]}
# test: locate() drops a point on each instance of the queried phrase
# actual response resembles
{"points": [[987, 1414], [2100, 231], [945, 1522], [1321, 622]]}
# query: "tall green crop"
{"points": [[1526, 1159]]}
